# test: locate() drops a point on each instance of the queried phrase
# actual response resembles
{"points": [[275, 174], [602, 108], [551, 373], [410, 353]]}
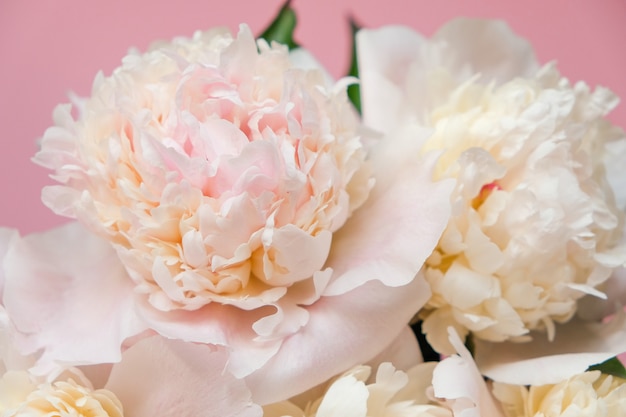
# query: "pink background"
{"points": [[50, 47]]}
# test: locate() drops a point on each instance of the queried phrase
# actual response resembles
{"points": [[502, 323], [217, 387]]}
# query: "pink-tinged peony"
{"points": [[219, 171], [233, 187], [590, 394], [534, 226]]}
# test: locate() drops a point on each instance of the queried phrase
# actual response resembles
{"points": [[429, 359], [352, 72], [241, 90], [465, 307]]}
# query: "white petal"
{"points": [[577, 345], [457, 379]]}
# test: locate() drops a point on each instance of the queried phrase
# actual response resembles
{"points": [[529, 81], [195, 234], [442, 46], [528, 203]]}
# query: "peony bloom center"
{"points": [[217, 168]]}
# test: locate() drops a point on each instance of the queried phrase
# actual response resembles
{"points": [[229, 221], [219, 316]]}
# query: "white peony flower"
{"points": [[60, 398], [591, 394], [534, 224], [391, 393]]}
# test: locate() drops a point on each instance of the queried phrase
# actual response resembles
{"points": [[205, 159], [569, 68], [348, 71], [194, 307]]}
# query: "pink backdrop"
{"points": [[48, 48]]}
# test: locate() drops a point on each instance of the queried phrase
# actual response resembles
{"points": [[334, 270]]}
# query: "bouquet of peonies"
{"points": [[445, 238]]}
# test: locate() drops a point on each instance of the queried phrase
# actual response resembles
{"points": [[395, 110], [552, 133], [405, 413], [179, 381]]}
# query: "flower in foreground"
{"points": [[534, 224], [585, 395], [232, 185]]}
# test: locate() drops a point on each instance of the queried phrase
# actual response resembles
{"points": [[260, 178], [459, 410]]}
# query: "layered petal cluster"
{"points": [[534, 226], [63, 398], [217, 169], [585, 395]]}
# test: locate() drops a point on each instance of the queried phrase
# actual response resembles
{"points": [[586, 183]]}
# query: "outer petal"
{"points": [[577, 346], [10, 357], [404, 352], [220, 325], [489, 47], [457, 380], [401, 73], [343, 331], [67, 293], [7, 236], [168, 378], [390, 237], [384, 58]]}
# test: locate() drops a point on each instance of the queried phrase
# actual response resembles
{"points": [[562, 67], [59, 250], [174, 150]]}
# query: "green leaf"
{"points": [[469, 344], [612, 366], [282, 27], [354, 91], [428, 353]]}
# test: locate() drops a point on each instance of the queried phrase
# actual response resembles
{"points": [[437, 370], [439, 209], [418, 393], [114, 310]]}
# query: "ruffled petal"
{"points": [[489, 47]]}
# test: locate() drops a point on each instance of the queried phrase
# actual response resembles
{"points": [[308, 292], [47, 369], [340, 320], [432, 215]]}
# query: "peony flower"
{"points": [[155, 377], [587, 394], [534, 225], [391, 393], [233, 188], [64, 398], [218, 171]]}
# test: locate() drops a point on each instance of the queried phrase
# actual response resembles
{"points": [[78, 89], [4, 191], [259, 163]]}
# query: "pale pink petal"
{"points": [[390, 237], [10, 357], [343, 331], [457, 380], [404, 352], [7, 236], [68, 294], [168, 378], [576, 346], [216, 324]]}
